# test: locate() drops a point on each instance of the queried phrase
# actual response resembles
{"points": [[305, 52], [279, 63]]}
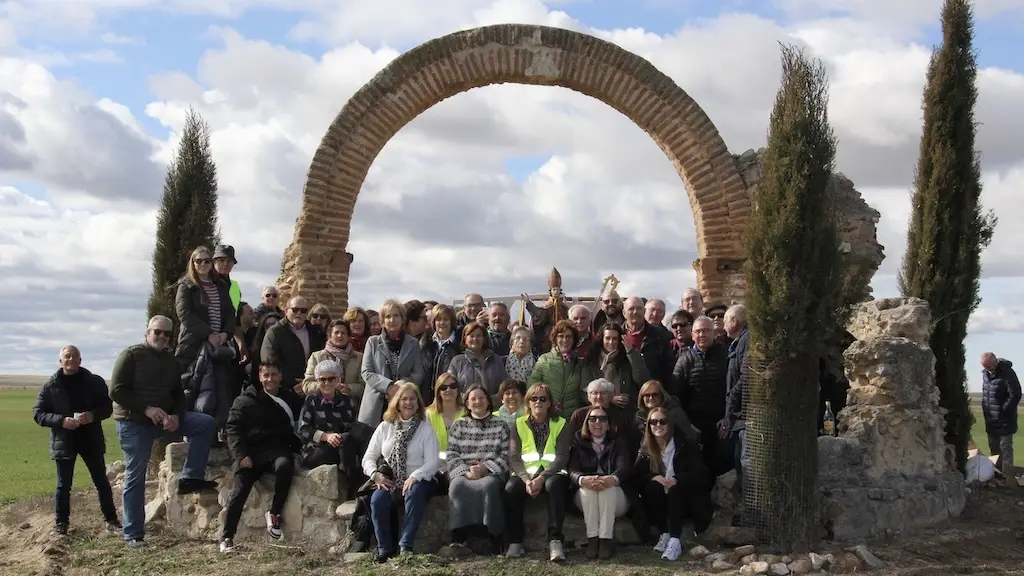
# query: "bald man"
{"points": [[1000, 397], [72, 403]]}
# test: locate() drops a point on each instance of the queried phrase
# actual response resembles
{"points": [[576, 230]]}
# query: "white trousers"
{"points": [[600, 509]]}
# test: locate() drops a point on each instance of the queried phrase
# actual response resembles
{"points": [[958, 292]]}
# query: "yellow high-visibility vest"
{"points": [[436, 421], [236, 295], [531, 458]]}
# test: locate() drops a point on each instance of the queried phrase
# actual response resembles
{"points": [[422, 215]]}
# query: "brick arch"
{"points": [[316, 264]]}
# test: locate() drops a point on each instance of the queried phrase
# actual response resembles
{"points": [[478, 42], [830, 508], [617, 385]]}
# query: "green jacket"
{"points": [[562, 377], [142, 377]]}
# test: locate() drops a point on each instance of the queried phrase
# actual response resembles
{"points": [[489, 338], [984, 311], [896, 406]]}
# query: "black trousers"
{"points": [[669, 510], [709, 448], [556, 491], [65, 477], [347, 458], [282, 467]]}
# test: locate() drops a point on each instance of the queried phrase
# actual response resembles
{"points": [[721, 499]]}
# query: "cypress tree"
{"points": [[794, 301], [947, 229], [188, 213]]}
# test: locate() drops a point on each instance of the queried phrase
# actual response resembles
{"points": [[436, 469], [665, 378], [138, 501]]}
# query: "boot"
{"points": [[607, 549], [593, 548]]}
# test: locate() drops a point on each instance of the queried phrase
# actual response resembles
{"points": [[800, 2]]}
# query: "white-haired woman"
{"points": [[401, 460], [388, 357], [520, 361]]}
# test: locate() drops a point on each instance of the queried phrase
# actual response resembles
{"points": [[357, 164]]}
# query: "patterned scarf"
{"points": [[339, 354], [399, 457]]}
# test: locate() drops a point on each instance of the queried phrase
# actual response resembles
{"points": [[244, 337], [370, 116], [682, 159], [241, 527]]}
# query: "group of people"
{"points": [[611, 411]]}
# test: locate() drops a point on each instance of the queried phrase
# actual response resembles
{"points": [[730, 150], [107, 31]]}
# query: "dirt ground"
{"points": [[988, 539]]}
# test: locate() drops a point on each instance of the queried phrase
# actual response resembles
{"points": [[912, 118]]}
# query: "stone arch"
{"points": [[316, 263]]}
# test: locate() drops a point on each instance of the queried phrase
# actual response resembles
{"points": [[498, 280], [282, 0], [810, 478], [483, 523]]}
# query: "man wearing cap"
{"points": [[223, 261], [716, 312]]}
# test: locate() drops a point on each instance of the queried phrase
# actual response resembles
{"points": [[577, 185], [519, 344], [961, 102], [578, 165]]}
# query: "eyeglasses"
{"points": [[538, 399], [657, 422], [202, 261], [449, 387], [651, 395], [327, 380], [597, 418], [718, 315], [318, 316], [300, 310], [681, 326], [158, 332]]}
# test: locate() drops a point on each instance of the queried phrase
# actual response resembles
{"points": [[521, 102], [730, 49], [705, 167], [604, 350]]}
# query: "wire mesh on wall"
{"points": [[780, 475]]}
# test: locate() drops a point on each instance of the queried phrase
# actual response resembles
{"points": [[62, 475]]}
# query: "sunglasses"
{"points": [[538, 399], [202, 261], [718, 315], [681, 326], [657, 422], [595, 419], [300, 310], [327, 380], [318, 316], [650, 395], [271, 295], [449, 387], [158, 332], [610, 301]]}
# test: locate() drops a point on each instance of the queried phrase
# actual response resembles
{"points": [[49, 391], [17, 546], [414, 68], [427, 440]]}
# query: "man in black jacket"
{"points": [[291, 342], [1000, 397], [261, 437], [72, 403], [654, 343], [700, 384]]}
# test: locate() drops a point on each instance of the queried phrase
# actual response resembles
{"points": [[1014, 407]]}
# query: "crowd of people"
{"points": [[607, 409]]}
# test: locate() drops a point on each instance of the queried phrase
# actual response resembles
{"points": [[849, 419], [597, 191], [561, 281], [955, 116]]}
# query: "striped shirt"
{"points": [[484, 441], [213, 309]]}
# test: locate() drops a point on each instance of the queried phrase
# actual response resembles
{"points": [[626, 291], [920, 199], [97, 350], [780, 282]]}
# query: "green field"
{"points": [[28, 470]]}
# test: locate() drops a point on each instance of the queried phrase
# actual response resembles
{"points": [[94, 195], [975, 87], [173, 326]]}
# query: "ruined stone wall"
{"points": [[889, 471]]}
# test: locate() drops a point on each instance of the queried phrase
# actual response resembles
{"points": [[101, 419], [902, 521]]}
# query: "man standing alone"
{"points": [[1000, 396]]}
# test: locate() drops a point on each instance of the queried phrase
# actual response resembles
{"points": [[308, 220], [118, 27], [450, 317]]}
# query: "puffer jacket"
{"points": [[258, 428], [486, 369], [1000, 396], [53, 405], [209, 389], [563, 377]]}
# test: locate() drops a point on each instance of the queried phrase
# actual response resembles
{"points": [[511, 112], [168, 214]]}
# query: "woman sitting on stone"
{"points": [[329, 430], [389, 357], [513, 405], [440, 348], [520, 361], [560, 369], [674, 479], [441, 414], [478, 364], [339, 349], [653, 395], [612, 360], [539, 454], [401, 460], [478, 446], [600, 464], [359, 326]]}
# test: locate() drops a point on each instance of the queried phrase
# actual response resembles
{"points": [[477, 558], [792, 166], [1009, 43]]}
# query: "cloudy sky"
{"points": [[93, 93]]}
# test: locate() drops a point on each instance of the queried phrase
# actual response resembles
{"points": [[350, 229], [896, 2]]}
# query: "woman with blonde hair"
{"points": [[388, 357], [320, 316], [401, 460], [653, 395], [673, 479], [359, 326], [443, 412], [203, 307]]}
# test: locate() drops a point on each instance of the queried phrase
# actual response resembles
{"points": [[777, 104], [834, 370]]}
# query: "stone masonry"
{"points": [[890, 470]]}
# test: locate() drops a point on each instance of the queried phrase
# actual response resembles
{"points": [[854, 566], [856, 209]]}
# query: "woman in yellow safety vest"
{"points": [[442, 413], [540, 451]]}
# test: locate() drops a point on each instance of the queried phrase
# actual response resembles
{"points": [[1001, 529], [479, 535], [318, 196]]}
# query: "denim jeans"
{"points": [[65, 476], [137, 442], [382, 514]]}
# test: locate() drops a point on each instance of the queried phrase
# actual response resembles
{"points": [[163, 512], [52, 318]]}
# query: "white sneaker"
{"points": [[136, 543], [673, 551], [227, 545], [515, 550], [662, 542], [274, 525], [557, 553]]}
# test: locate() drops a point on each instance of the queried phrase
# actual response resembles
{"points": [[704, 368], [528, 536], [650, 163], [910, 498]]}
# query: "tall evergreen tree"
{"points": [[794, 300], [948, 230], [188, 212]]}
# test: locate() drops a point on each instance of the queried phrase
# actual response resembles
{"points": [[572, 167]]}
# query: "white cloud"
{"points": [[439, 214]]}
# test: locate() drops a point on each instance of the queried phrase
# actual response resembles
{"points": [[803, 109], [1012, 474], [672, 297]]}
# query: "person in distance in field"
{"points": [[72, 403]]}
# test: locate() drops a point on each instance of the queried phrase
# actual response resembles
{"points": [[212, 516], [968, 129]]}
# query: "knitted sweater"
{"points": [[485, 441]]}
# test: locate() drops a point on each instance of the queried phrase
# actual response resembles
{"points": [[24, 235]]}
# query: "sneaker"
{"points": [[227, 545], [61, 528], [515, 550], [455, 550], [383, 556], [662, 542], [274, 526], [557, 554], [406, 551], [673, 551], [135, 543], [113, 527]]}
